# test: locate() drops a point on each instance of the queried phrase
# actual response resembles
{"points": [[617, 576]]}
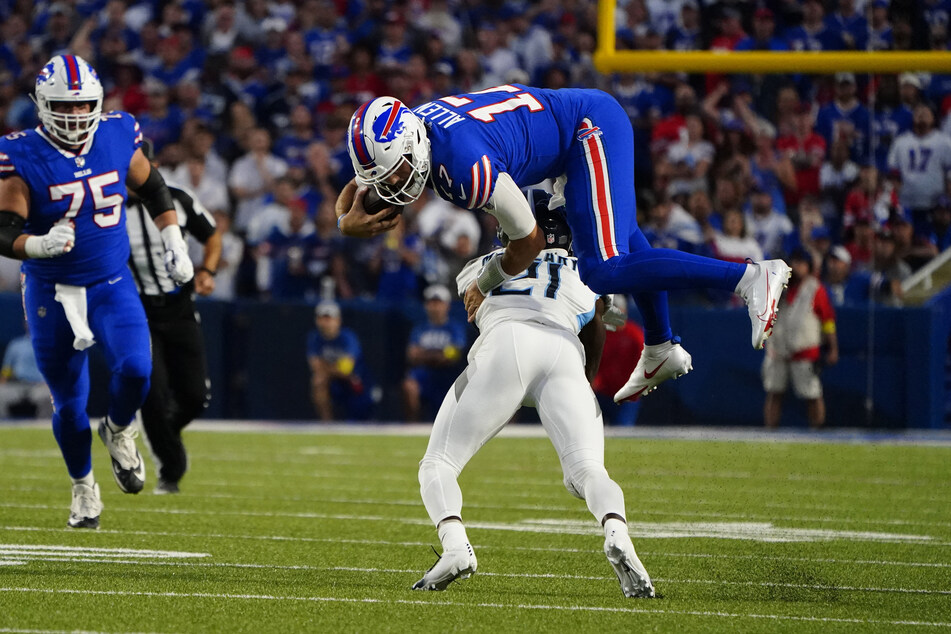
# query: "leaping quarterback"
{"points": [[477, 149]]}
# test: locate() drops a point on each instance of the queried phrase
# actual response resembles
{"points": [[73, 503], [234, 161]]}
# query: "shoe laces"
{"points": [[123, 445], [85, 501]]}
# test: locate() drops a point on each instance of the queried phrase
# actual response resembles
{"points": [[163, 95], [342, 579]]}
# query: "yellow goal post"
{"points": [[608, 59]]}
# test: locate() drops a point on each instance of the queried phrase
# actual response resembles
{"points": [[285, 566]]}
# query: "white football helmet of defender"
{"points": [[389, 150], [69, 78]]}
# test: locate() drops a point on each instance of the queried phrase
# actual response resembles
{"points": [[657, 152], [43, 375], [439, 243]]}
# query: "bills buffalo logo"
{"points": [[586, 133], [389, 125], [45, 74]]}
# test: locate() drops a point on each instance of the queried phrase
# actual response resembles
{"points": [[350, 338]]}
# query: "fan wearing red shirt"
{"points": [[622, 350], [806, 150], [803, 341]]}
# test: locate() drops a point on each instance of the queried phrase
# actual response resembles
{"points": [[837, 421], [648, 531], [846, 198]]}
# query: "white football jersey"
{"points": [[924, 163], [550, 292]]}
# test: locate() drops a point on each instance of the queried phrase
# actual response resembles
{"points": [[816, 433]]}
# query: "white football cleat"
{"points": [[635, 582], [128, 468], [762, 296], [452, 565], [86, 507], [657, 364]]}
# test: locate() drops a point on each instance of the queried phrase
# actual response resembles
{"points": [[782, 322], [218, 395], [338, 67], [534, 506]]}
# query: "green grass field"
{"points": [[322, 532]]}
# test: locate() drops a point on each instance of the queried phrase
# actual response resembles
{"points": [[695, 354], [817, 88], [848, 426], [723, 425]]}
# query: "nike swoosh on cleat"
{"points": [[767, 299], [650, 375]]}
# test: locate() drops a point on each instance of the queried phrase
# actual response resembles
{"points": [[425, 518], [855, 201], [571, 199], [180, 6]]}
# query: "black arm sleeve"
{"points": [[11, 227], [198, 222], [155, 194]]}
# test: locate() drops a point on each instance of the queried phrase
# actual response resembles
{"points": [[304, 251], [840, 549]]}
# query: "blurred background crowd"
{"points": [[248, 103]]}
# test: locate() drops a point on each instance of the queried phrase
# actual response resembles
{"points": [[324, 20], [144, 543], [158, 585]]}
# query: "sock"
{"points": [[659, 348], [87, 479], [748, 275], [612, 526], [452, 534]]}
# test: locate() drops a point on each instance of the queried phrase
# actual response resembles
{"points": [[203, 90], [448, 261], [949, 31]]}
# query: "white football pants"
{"points": [[520, 363]]}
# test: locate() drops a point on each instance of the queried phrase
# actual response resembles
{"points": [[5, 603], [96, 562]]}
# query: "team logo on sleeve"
{"points": [[587, 133]]}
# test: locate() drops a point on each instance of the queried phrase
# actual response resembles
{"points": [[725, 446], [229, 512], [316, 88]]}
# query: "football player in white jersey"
{"points": [[529, 352]]}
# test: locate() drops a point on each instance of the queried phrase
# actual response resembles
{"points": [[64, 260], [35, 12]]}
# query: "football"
{"points": [[374, 204]]}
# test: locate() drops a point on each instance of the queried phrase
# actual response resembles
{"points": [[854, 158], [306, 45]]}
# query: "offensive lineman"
{"points": [[528, 352], [62, 211], [477, 149]]}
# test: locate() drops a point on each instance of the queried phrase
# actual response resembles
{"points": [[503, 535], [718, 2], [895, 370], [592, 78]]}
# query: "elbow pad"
{"points": [[155, 194], [11, 227], [510, 208]]}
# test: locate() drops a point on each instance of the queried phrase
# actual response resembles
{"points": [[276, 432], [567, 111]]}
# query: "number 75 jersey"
{"points": [[86, 187]]}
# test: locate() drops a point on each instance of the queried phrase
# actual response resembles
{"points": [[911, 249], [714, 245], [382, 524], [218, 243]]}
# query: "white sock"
{"points": [[87, 479], [659, 347], [452, 534], [748, 275], [614, 525]]}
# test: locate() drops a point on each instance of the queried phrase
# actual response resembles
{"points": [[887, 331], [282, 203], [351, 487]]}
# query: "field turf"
{"points": [[279, 531]]}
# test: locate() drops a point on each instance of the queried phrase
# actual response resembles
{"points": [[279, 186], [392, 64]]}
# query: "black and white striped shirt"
{"points": [[147, 257]]}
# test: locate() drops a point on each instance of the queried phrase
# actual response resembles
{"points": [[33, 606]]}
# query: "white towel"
{"points": [[73, 299]]}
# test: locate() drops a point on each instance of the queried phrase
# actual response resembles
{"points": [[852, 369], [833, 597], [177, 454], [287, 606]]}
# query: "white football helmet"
{"points": [[69, 78], [384, 137]]}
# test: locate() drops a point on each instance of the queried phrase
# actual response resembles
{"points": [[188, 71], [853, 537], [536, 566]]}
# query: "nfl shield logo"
{"points": [[550, 238], [80, 161]]}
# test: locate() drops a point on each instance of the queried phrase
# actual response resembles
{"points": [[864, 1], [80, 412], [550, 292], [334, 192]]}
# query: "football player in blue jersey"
{"points": [[62, 211], [478, 149]]}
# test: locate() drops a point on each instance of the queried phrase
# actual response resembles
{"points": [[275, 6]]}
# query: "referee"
{"points": [[180, 386]]}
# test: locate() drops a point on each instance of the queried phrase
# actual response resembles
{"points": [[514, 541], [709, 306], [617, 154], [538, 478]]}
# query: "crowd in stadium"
{"points": [[248, 103]]}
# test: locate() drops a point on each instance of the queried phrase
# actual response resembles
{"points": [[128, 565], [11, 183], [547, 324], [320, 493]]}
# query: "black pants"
{"points": [[180, 387]]}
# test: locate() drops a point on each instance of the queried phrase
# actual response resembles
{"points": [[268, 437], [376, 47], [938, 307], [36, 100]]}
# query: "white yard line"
{"points": [[442, 604], [718, 582]]}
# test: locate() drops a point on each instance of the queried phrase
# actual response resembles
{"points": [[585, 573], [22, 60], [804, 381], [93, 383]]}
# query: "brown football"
{"points": [[374, 204]]}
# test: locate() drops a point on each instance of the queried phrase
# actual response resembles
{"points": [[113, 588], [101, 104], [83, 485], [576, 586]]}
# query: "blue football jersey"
{"points": [[87, 187], [525, 132]]}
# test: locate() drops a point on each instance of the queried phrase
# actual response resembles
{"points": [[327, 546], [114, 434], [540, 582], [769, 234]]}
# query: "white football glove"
{"points": [[177, 263], [59, 240], [613, 318]]}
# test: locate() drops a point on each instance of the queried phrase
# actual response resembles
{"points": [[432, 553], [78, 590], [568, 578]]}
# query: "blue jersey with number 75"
{"points": [[525, 132], [86, 186]]}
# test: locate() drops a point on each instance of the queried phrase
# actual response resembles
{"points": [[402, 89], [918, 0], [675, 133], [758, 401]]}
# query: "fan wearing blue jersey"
{"points": [[62, 211], [477, 149]]}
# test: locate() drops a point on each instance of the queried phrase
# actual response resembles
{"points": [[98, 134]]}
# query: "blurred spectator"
{"points": [[684, 35], [844, 287], [805, 150], [394, 48], [814, 34], [691, 158], [836, 178], [850, 24], [891, 117], [845, 119], [210, 191], [162, 121], [734, 243], [803, 341], [396, 262], [921, 159], [232, 250], [440, 20], [286, 265], [496, 59], [771, 169], [340, 389], [253, 176], [940, 227], [670, 226], [530, 42], [621, 352], [771, 229], [452, 232], [861, 243], [888, 263], [434, 356], [880, 29], [868, 199], [23, 392]]}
